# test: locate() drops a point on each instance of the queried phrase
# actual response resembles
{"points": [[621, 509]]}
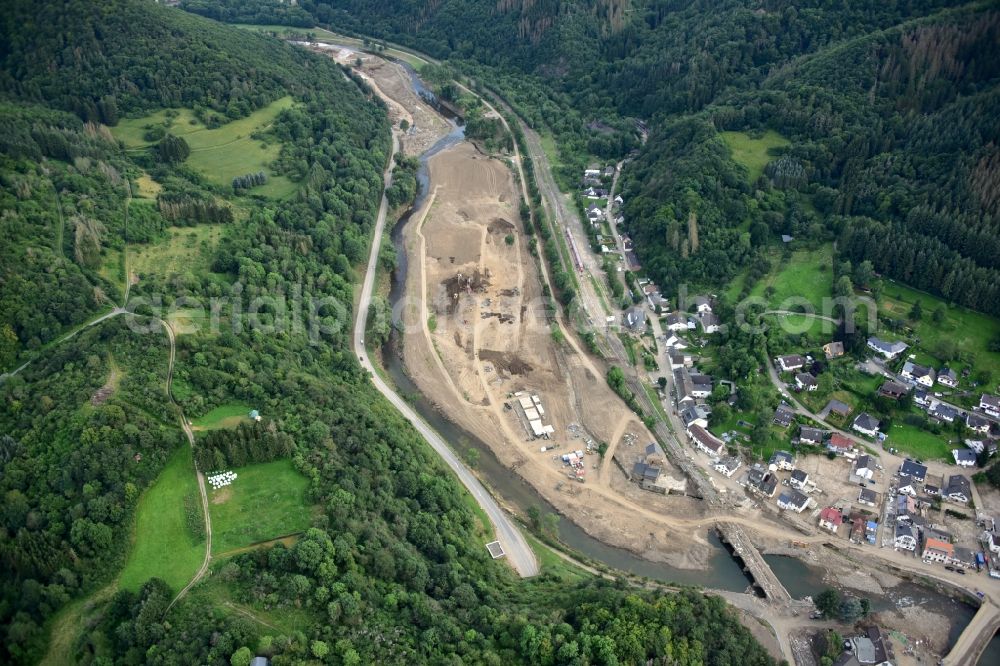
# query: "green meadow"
{"points": [[225, 416], [754, 153], [163, 545]]}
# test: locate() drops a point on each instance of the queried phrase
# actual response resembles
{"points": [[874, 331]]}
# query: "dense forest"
{"points": [[393, 569], [889, 108]]}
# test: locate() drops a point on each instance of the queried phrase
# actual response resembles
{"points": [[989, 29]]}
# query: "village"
{"points": [[840, 471]]}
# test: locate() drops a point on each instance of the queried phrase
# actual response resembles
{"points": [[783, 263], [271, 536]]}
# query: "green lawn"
{"points": [[163, 546], [753, 153], [971, 332], [226, 416], [919, 443], [185, 250], [222, 153], [265, 501], [806, 277]]}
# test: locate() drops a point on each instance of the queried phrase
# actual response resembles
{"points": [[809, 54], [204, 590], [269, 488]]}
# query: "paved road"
{"points": [[520, 554]]}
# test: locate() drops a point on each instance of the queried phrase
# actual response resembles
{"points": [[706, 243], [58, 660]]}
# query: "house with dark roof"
{"points": [[943, 412], [812, 436], [761, 480], [863, 469], [914, 470], [906, 509], [676, 321], [837, 407], [964, 457], [947, 377], [990, 404], [694, 415], [918, 374], [922, 398], [799, 479], [866, 424], [904, 538], [868, 497], [892, 390], [889, 350], [977, 423], [790, 362], [805, 381], [635, 319], [782, 460], [705, 441], [958, 489], [783, 416], [793, 500], [709, 322]]}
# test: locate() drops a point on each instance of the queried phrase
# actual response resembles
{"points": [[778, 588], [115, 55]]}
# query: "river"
{"points": [[723, 572]]}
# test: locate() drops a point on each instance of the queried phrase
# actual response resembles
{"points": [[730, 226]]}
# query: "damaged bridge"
{"points": [[753, 563]]}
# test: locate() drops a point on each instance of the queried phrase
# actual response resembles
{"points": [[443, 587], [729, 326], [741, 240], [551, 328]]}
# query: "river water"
{"points": [[722, 573]]}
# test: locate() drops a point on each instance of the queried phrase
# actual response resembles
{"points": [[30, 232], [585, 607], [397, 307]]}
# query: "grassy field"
{"points": [[919, 443], [265, 501], [226, 416], [970, 331], [219, 154], [806, 277], [285, 619], [148, 188], [186, 250], [163, 545], [753, 153]]}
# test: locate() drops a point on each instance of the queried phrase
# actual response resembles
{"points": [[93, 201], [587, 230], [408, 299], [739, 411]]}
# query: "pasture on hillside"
{"points": [[752, 152], [185, 250], [164, 545], [266, 501], [219, 154], [805, 277], [224, 416]]}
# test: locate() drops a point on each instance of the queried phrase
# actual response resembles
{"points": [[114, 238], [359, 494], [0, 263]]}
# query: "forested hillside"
{"points": [[890, 108], [100, 189]]}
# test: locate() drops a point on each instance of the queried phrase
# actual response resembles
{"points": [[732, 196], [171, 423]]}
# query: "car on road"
{"points": [[960, 571]]}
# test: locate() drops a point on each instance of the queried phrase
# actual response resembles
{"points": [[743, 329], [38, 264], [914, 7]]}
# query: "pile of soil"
{"points": [[461, 283], [505, 362], [500, 226]]}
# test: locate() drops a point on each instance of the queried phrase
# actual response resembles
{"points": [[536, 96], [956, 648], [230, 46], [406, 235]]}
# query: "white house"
{"points": [[936, 550], [702, 304], [727, 466], [676, 321], [907, 487], [806, 381], [990, 404], [790, 362], [864, 468], [964, 457], [977, 423], [918, 373], [705, 441], [782, 460], [809, 435], [831, 519], [709, 322], [958, 489], [866, 425], [799, 479], [904, 538], [793, 500], [947, 377], [889, 350]]}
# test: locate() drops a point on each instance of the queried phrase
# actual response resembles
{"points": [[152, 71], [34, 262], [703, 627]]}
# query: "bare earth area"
{"points": [[478, 342]]}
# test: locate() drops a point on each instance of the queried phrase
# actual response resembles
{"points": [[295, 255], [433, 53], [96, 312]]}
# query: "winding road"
{"points": [[516, 547]]}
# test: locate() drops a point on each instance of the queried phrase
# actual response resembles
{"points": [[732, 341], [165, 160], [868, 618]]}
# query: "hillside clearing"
{"points": [[754, 153], [225, 416]]}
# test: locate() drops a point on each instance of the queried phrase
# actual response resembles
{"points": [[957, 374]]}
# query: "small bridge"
{"points": [[972, 643], [754, 563]]}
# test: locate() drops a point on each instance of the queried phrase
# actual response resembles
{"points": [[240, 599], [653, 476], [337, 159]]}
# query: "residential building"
{"points": [[907, 487], [871, 529], [906, 509], [793, 500], [866, 424], [892, 390], [947, 377], [958, 489], [889, 350], [813, 436], [695, 415], [904, 538], [831, 519], [977, 423], [790, 362], [936, 550], [709, 322], [914, 470], [727, 466], [922, 398], [701, 385], [990, 404], [977, 446], [805, 381], [833, 350], [783, 416], [918, 373], [839, 408], [782, 460], [676, 321], [864, 469], [761, 480], [799, 480], [683, 387], [964, 457], [964, 557], [868, 497], [839, 444], [702, 304], [634, 319], [705, 441], [943, 412]]}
